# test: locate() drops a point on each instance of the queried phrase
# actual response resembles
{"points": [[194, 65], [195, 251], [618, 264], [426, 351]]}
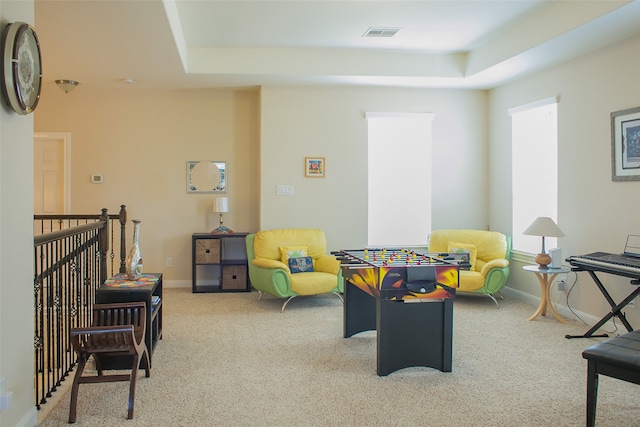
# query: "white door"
{"points": [[51, 185]]}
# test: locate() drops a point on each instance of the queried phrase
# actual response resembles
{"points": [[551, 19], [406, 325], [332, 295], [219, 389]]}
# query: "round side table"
{"points": [[545, 277]]}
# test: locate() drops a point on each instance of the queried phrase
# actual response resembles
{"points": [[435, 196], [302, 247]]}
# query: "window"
{"points": [[399, 177], [534, 170]]}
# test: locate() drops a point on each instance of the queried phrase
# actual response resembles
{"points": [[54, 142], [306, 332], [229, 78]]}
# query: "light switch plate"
{"points": [[284, 190]]}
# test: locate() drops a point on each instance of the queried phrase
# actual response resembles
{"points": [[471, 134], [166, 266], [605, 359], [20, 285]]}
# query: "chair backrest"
{"points": [[267, 243], [123, 313], [249, 244]]}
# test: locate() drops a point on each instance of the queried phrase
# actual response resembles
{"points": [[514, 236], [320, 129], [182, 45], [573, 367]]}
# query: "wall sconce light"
{"points": [[221, 206], [67, 85]]}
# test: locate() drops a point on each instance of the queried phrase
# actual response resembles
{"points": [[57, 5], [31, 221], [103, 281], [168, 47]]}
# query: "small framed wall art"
{"points": [[314, 167], [625, 145], [206, 177]]}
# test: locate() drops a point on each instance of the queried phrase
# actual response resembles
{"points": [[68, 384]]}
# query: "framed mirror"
{"points": [[205, 176]]}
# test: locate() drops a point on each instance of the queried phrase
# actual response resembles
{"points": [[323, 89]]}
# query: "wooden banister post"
{"points": [[123, 238], [104, 245]]}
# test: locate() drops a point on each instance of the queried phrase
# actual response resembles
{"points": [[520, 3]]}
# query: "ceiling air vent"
{"points": [[381, 32]]}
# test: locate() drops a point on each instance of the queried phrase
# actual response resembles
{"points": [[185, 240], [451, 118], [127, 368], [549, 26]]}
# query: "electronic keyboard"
{"points": [[607, 262]]}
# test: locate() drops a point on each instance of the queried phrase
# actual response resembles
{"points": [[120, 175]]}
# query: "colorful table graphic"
{"points": [[122, 281]]}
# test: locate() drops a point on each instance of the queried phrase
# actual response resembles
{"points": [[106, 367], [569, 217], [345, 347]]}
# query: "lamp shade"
{"points": [[221, 204], [544, 226]]}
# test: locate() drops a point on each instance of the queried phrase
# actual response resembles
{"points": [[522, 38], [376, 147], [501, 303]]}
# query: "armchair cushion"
{"points": [[313, 283], [301, 265], [494, 263], [328, 264], [472, 250], [470, 280], [269, 263], [287, 252]]}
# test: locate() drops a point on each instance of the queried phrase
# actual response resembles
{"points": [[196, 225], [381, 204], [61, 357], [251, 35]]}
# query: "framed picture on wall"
{"points": [[314, 167], [625, 145], [206, 176]]}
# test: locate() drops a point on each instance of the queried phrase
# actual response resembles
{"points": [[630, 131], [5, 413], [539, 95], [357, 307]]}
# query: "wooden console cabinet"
{"points": [[219, 262]]}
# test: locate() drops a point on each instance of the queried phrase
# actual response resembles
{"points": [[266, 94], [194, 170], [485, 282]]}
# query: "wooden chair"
{"points": [[117, 330]]}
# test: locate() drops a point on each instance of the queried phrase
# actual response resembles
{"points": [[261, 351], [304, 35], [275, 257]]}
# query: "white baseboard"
{"points": [[176, 283], [30, 419], [562, 310]]}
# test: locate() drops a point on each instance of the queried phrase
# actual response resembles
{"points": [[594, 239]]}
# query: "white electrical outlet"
{"points": [[561, 285], [169, 262]]}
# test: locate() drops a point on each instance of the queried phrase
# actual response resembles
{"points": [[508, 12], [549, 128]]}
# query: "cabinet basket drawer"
{"points": [[234, 277], [207, 251]]}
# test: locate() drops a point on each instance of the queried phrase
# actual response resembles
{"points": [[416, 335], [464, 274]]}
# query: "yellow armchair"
{"points": [[489, 252], [268, 252]]}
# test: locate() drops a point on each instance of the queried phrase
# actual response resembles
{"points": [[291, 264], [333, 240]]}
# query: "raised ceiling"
{"points": [[237, 43]]}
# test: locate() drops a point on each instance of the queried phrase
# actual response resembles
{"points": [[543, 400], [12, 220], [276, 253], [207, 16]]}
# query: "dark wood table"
{"points": [[148, 289]]}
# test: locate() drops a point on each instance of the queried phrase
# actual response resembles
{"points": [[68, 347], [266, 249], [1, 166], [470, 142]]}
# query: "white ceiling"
{"points": [[238, 43]]}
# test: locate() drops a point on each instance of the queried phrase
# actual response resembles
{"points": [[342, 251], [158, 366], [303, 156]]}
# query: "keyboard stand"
{"points": [[615, 308]]}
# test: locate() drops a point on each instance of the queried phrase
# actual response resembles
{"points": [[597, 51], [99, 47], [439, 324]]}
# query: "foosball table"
{"points": [[407, 297]]}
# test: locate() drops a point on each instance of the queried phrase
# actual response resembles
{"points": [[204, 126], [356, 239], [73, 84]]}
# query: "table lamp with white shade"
{"points": [[221, 206], [545, 227]]}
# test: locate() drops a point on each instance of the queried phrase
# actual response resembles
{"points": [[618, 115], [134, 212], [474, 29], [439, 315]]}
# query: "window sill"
{"points": [[524, 257]]}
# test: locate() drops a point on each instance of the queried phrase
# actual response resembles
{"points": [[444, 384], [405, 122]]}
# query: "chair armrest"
{"points": [[327, 264], [101, 330], [270, 263], [494, 263], [270, 276]]}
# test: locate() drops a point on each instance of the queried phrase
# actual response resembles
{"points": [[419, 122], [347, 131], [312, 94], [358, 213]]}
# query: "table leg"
{"points": [[359, 310], [414, 334], [545, 300]]}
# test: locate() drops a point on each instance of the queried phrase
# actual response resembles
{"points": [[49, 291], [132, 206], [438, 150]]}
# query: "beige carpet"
{"points": [[230, 360]]}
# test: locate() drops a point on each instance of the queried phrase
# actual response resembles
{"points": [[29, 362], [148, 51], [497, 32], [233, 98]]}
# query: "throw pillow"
{"points": [[301, 264], [465, 248], [287, 252]]}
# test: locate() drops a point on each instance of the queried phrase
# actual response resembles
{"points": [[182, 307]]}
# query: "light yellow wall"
{"points": [[140, 140], [330, 122], [595, 213]]}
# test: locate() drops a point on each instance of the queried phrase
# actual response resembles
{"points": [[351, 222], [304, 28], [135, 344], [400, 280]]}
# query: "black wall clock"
{"points": [[22, 67]]}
